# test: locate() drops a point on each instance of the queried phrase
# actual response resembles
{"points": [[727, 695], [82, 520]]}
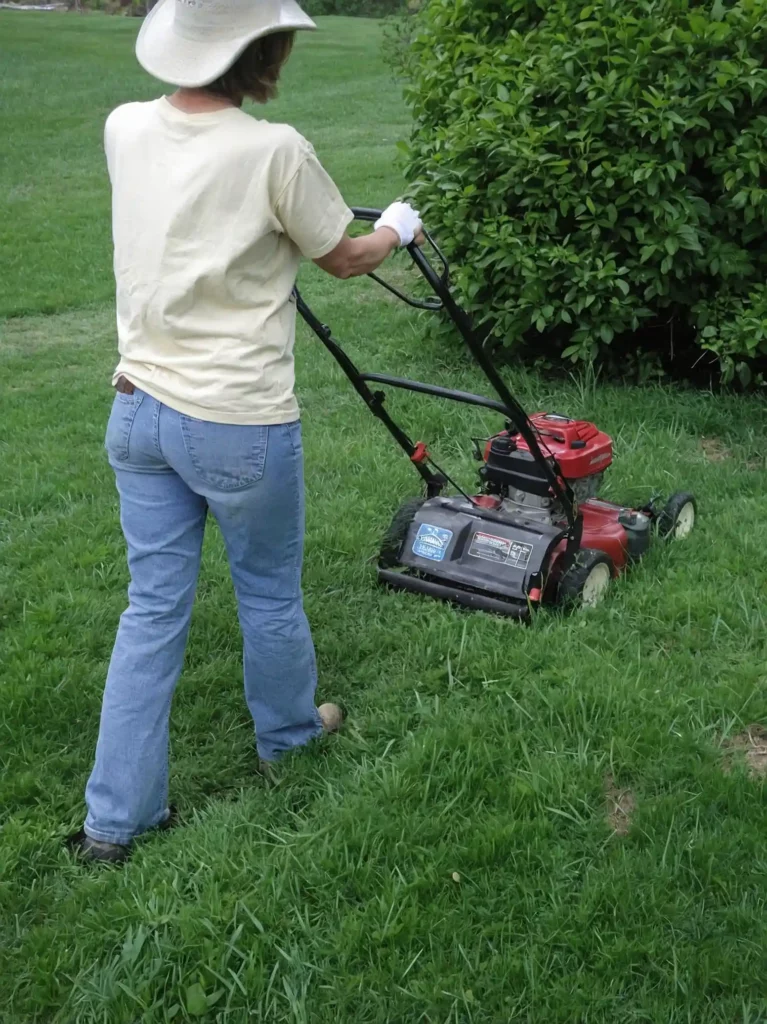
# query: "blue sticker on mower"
{"points": [[432, 542]]}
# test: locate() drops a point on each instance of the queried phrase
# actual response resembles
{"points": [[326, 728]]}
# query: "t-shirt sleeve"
{"points": [[311, 210]]}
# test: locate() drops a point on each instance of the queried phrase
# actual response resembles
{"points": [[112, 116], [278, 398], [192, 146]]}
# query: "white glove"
{"points": [[402, 218]]}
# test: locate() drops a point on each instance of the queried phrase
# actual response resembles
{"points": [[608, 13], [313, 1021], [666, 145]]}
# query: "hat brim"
{"points": [[189, 63]]}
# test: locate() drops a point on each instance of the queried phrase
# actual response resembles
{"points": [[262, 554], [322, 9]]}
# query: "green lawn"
{"points": [[450, 857]]}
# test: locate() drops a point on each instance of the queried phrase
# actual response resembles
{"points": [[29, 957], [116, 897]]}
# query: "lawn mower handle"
{"points": [[440, 286]]}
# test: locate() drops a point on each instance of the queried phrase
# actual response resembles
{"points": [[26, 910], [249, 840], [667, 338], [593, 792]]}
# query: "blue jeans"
{"points": [[171, 470]]}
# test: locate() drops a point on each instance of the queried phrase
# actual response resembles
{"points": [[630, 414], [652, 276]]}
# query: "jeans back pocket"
{"points": [[225, 455]]}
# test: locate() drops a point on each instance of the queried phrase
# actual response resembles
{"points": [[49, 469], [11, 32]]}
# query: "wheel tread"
{"points": [[394, 538]]}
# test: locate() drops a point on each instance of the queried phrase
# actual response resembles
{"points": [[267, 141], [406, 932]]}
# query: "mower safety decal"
{"points": [[500, 549], [432, 542]]}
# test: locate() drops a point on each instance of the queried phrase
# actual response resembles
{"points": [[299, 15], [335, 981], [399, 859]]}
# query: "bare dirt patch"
{"points": [[749, 746], [714, 449], [620, 804]]}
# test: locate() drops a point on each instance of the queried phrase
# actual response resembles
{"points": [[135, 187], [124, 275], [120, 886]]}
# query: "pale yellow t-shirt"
{"points": [[211, 214]]}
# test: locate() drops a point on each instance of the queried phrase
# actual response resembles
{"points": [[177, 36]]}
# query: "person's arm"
{"points": [[399, 225], [314, 215], [355, 257]]}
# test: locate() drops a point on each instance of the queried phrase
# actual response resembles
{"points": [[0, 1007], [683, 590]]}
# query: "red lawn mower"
{"points": [[536, 533]]}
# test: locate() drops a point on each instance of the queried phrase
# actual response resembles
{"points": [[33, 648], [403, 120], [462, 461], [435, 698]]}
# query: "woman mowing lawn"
{"points": [[212, 210]]}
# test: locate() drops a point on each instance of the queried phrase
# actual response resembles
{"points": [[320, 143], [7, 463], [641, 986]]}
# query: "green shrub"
{"points": [[360, 8], [357, 8], [593, 169], [398, 34]]}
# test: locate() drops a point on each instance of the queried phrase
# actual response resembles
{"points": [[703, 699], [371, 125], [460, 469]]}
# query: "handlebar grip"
{"points": [[364, 213], [439, 283]]}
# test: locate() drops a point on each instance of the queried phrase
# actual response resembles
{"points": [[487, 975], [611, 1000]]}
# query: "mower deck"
{"points": [[478, 557]]}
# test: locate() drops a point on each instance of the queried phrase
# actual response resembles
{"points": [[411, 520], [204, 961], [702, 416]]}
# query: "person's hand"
{"points": [[404, 221], [420, 238]]}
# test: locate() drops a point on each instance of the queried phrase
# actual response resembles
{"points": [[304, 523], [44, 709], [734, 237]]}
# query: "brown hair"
{"points": [[256, 71]]}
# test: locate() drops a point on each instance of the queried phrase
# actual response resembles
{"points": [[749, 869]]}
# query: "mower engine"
{"points": [[581, 451]]}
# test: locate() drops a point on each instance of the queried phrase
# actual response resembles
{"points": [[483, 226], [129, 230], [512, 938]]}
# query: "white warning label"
{"points": [[500, 549]]}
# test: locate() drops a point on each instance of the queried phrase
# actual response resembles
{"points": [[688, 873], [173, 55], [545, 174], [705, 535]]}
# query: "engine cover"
{"points": [[579, 448], [482, 549]]}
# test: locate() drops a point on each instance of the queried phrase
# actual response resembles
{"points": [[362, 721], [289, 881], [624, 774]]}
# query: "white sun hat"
{"points": [[191, 43]]}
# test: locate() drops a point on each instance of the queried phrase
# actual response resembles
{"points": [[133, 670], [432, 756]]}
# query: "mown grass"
{"points": [[448, 858]]}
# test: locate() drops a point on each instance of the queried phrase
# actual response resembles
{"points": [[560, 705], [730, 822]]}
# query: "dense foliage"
{"points": [[360, 8], [363, 8], [598, 169]]}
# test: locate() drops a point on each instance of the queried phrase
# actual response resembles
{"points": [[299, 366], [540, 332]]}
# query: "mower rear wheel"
{"points": [[584, 582], [677, 519], [394, 538]]}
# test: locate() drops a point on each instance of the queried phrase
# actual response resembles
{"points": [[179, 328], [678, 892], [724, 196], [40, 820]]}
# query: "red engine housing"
{"points": [[577, 445]]}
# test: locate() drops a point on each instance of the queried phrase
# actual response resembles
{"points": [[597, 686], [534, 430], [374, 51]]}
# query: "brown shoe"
{"points": [[332, 717], [92, 851], [268, 772]]}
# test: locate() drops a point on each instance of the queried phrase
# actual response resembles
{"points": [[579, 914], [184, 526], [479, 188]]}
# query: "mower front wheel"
{"points": [[394, 538], [584, 582], [677, 518]]}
